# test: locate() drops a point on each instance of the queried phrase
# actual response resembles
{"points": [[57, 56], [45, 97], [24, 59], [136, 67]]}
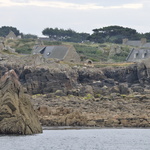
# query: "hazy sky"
{"points": [[32, 16]]}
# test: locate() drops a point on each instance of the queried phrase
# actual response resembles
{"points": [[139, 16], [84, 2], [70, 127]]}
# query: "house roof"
{"points": [[37, 49], [58, 51], [11, 35], [134, 43], [137, 43], [146, 45], [138, 55]]}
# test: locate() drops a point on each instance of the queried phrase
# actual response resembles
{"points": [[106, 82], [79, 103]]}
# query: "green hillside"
{"points": [[106, 52]]}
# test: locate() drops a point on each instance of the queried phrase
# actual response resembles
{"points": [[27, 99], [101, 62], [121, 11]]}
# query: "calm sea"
{"points": [[87, 139]]}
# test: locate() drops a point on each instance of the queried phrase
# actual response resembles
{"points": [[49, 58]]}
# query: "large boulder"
{"points": [[143, 71], [17, 115], [123, 88]]}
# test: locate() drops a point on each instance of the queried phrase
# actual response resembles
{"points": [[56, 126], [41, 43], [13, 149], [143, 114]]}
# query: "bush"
{"points": [[25, 49], [88, 52]]}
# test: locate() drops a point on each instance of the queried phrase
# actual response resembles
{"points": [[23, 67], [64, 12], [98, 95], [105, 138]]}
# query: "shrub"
{"points": [[25, 49]]}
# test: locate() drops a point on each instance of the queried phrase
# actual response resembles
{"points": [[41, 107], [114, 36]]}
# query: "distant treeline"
{"points": [[115, 34], [110, 34]]}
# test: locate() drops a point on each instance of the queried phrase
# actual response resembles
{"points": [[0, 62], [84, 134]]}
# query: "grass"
{"points": [[101, 52], [23, 46], [88, 52], [52, 43], [120, 64]]}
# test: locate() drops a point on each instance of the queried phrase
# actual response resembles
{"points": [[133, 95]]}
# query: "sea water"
{"points": [[83, 139]]}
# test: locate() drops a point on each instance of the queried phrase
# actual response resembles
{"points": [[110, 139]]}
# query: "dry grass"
{"points": [[119, 64]]}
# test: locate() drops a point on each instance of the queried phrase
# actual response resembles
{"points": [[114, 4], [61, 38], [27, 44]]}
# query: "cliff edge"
{"points": [[17, 115]]}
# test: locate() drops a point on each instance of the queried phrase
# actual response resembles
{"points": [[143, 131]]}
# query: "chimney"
{"points": [[143, 41], [124, 41]]}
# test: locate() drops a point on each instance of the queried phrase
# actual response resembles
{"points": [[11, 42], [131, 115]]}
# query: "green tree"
{"points": [[68, 35], [113, 34], [29, 36], [147, 36]]}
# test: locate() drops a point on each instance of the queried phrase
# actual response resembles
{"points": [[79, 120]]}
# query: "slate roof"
{"points": [[37, 49], [138, 54], [137, 43], [134, 43], [146, 45], [58, 52]]}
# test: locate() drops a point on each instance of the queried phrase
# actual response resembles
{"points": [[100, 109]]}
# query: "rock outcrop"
{"points": [[106, 111], [17, 115], [79, 95]]}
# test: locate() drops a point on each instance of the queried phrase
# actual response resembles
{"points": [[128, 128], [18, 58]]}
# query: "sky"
{"points": [[33, 16]]}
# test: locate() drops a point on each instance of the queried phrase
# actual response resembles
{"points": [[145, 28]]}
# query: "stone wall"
{"points": [[72, 55]]}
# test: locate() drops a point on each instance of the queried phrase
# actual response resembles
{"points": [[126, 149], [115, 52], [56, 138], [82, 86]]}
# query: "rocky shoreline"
{"points": [[64, 95], [74, 111], [87, 128]]}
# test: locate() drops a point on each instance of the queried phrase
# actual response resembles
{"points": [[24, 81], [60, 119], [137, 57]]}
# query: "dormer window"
{"points": [[136, 55], [144, 55]]}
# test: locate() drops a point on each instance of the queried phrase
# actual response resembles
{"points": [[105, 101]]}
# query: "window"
{"points": [[144, 55], [48, 53], [136, 55]]}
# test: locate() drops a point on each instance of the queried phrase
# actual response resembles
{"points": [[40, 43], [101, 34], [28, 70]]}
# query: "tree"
{"points": [[147, 36], [68, 35], [113, 34], [29, 36]]}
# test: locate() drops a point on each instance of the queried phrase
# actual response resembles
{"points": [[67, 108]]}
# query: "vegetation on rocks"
{"points": [[23, 46], [95, 52], [103, 52], [84, 96]]}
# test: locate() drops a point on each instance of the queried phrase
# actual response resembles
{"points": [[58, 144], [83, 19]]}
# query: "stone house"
{"points": [[61, 52], [11, 35], [136, 43], [138, 54]]}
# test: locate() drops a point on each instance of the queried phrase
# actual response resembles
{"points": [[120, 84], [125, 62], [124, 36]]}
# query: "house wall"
{"points": [[72, 55], [11, 35]]}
